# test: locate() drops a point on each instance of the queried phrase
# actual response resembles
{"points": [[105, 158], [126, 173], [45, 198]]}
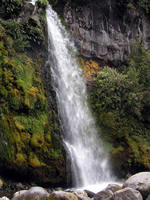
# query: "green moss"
{"points": [[21, 160], [27, 126], [37, 140], [34, 161]]}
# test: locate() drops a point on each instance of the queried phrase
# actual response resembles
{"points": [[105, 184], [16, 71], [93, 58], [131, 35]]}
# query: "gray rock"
{"points": [[90, 193], [19, 194], [104, 195], [140, 182], [4, 198], [81, 195], [103, 30], [127, 194], [60, 195], [35, 193], [114, 187]]}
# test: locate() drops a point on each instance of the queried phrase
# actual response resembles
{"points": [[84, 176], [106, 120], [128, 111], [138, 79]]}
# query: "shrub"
{"points": [[42, 3], [121, 103], [11, 8], [116, 91]]}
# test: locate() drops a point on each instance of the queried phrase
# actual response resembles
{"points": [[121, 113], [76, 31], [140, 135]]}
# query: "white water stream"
{"points": [[89, 163], [33, 2]]}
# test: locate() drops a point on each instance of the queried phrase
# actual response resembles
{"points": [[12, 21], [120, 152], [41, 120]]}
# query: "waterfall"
{"points": [[89, 163], [33, 2]]}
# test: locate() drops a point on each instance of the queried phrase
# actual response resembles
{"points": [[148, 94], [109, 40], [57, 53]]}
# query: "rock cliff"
{"points": [[104, 29]]}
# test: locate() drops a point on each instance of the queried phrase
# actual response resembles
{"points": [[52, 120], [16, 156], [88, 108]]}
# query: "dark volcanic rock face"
{"points": [[104, 30]]}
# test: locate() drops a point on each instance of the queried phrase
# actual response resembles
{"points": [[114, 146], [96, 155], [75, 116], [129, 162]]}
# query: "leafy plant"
{"points": [[42, 3], [120, 101], [11, 8]]}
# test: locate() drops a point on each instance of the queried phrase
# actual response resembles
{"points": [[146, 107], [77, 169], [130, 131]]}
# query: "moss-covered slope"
{"points": [[30, 147]]}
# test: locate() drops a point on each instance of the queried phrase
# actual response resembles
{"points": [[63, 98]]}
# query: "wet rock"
{"points": [[127, 194], [60, 195], [140, 182], [81, 195], [113, 187], [19, 194], [35, 193], [4, 198], [90, 193], [104, 194], [104, 30]]}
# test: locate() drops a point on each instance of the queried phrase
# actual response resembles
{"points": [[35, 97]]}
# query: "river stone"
{"points": [[90, 193], [127, 194], [4, 198], [60, 195], [140, 182], [19, 193], [104, 195], [82, 195], [35, 193], [114, 187]]}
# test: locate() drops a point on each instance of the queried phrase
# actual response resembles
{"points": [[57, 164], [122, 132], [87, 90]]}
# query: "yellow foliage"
{"points": [[37, 79], [27, 101], [33, 91], [48, 138], [20, 159], [19, 126], [37, 140], [15, 91], [90, 68], [34, 161]]}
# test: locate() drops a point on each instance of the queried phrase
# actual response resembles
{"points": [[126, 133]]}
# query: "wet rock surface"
{"points": [[140, 182], [21, 191], [33, 193], [127, 194], [104, 30], [105, 194]]}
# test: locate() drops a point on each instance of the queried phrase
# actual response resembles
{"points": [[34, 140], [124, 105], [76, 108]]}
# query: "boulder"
{"points": [[127, 194], [90, 193], [19, 194], [35, 193], [140, 182], [104, 195], [82, 195], [4, 198], [113, 187], [60, 195]]}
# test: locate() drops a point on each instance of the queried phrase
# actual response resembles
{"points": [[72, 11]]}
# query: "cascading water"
{"points": [[89, 164], [33, 2]]}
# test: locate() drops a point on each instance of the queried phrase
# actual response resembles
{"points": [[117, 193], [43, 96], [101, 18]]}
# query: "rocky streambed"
{"points": [[137, 187]]}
